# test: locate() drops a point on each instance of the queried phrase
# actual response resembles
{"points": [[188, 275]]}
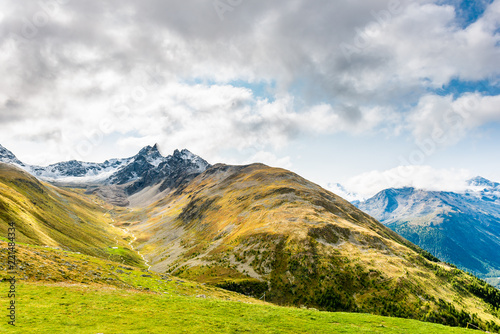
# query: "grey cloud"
{"points": [[294, 32], [12, 104], [295, 44], [351, 113], [10, 111], [50, 135]]}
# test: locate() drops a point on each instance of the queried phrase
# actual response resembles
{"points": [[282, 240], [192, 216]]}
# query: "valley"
{"points": [[61, 291], [248, 233]]}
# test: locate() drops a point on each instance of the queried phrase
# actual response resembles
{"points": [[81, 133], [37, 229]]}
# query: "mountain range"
{"points": [[460, 228], [118, 179], [256, 230]]}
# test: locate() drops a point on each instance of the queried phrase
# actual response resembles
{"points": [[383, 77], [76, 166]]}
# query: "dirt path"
{"points": [[130, 243], [127, 231]]}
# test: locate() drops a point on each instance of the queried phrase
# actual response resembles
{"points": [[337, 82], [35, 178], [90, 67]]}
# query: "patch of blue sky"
{"points": [[458, 87], [467, 11], [261, 89]]}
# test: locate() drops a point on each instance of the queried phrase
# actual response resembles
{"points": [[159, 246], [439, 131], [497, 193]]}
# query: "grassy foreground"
{"points": [[78, 308]]}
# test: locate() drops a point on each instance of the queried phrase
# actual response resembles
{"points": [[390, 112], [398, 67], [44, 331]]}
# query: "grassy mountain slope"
{"points": [[261, 230], [42, 265], [55, 217], [81, 309], [65, 292]]}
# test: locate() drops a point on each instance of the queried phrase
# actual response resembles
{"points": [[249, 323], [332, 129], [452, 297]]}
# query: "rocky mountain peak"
{"points": [[8, 157], [149, 150], [149, 167], [146, 168]]}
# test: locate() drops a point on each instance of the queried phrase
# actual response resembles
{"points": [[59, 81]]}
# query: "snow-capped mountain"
{"points": [[146, 168], [70, 171], [460, 228], [78, 171], [8, 157], [485, 189], [149, 167], [482, 183]]}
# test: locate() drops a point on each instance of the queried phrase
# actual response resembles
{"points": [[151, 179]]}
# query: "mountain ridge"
{"points": [[460, 228], [255, 229], [118, 179]]}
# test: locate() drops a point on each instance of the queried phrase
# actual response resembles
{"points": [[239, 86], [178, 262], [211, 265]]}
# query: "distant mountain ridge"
{"points": [[129, 175], [460, 228], [480, 181]]}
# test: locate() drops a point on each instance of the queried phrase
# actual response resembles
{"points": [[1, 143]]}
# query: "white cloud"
{"points": [[205, 119], [445, 120], [270, 159], [425, 46], [341, 191], [368, 184], [133, 65]]}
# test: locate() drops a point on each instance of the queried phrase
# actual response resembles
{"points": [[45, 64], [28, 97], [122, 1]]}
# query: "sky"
{"points": [[369, 94]]}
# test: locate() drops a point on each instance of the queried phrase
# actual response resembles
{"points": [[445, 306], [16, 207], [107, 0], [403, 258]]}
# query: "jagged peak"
{"points": [[155, 151], [183, 153], [5, 151], [188, 156], [9, 157], [150, 151]]}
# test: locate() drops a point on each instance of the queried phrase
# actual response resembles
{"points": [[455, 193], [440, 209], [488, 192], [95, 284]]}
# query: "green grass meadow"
{"points": [[76, 309]]}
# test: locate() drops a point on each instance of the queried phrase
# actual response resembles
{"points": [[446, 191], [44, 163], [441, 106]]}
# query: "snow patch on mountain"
{"points": [[147, 163], [198, 163], [8, 157]]}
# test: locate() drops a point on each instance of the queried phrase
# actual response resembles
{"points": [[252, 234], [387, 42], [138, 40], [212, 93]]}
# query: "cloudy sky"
{"points": [[366, 93]]}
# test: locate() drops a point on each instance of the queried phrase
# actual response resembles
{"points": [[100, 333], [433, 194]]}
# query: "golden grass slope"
{"points": [[47, 266], [60, 218], [65, 292], [261, 230]]}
